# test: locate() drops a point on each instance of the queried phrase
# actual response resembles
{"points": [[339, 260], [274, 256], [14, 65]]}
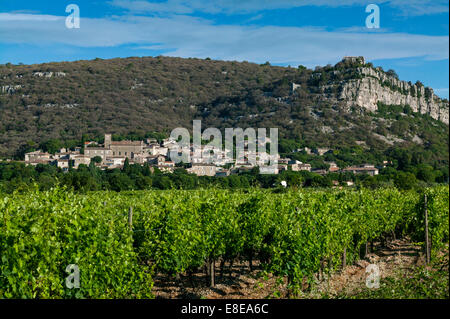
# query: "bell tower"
{"points": [[107, 141]]}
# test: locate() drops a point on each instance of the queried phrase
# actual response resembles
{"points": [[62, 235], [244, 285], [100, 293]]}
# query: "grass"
{"points": [[431, 282]]}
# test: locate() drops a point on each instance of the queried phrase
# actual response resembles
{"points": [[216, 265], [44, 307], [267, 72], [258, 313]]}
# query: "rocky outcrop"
{"points": [[49, 74], [10, 89], [372, 85]]}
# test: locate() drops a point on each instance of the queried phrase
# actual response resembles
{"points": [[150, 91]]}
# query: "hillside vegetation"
{"points": [[136, 96]]}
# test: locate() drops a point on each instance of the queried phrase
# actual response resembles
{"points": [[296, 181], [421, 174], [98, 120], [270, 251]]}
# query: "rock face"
{"points": [[372, 85], [10, 89], [49, 74]]}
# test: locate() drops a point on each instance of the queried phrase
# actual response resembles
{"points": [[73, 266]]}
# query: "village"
{"points": [[113, 154]]}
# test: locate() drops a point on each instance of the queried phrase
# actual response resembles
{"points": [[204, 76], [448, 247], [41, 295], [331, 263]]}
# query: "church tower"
{"points": [[107, 141]]}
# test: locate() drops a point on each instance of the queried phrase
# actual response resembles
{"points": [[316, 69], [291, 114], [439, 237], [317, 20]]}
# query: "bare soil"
{"points": [[238, 282]]}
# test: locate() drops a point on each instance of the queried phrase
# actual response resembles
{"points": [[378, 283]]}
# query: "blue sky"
{"points": [[413, 37]]}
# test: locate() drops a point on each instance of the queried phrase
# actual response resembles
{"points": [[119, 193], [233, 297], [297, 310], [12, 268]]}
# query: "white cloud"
{"points": [[194, 37], [406, 7], [176, 7], [420, 7], [28, 17]]}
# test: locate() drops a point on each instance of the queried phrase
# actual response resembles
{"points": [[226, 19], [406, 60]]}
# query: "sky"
{"points": [[412, 38]]}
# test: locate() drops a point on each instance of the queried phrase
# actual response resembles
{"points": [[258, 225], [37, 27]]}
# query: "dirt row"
{"points": [[238, 282]]}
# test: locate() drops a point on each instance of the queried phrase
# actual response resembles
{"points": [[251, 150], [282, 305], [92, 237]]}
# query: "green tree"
{"points": [[96, 159], [51, 146], [405, 180], [126, 165]]}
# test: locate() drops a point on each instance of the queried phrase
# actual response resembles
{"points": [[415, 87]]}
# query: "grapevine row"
{"points": [[294, 234]]}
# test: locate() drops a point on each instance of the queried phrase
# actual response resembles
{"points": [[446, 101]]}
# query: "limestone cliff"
{"points": [[372, 85]]}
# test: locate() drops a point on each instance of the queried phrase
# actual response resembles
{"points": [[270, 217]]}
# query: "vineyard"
{"points": [[120, 240]]}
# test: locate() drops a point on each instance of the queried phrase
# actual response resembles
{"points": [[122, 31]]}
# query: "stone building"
{"points": [[81, 159], [37, 156], [157, 160], [156, 149], [123, 148], [103, 152], [63, 163], [297, 167], [115, 161], [362, 169]]}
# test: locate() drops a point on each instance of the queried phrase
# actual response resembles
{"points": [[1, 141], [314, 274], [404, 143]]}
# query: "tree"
{"points": [[234, 181], [96, 159], [143, 182], [162, 182], [126, 165], [392, 73], [120, 182], [46, 181], [405, 180], [51, 146], [425, 173], [370, 182]]}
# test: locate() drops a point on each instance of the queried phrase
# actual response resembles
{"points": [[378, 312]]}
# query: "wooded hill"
{"points": [[135, 96]]}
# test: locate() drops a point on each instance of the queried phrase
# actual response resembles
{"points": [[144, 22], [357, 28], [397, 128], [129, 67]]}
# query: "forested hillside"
{"points": [[135, 96]]}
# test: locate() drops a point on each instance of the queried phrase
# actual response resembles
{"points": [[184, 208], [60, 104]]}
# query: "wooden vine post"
{"points": [[130, 218], [427, 240], [344, 258], [211, 272]]}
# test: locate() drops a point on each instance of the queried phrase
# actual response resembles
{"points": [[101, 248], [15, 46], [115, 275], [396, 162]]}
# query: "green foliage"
{"points": [[405, 180], [392, 73], [437, 208], [292, 233], [51, 146], [420, 283], [42, 233], [19, 177], [96, 159]]}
